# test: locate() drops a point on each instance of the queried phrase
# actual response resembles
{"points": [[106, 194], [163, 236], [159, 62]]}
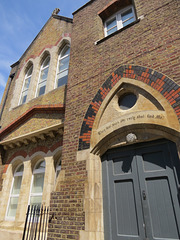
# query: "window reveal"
{"points": [[119, 20], [37, 183], [63, 65], [43, 77], [26, 84], [15, 191]]}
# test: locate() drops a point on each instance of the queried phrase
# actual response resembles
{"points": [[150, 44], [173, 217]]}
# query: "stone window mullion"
{"points": [[49, 180]]}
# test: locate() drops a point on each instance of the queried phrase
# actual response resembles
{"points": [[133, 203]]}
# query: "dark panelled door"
{"points": [[140, 192]]}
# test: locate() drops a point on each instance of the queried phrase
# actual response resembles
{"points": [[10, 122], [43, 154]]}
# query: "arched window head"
{"points": [[43, 76], [26, 84], [37, 183], [15, 190], [63, 65]]}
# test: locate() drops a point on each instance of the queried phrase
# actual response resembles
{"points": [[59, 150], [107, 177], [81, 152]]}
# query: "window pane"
{"points": [[46, 62], [112, 30], [20, 168], [127, 14], [64, 63], [17, 185], [41, 165], [62, 78], [12, 207], [66, 52], [111, 23], [43, 77], [38, 183], [27, 82], [57, 173], [41, 90], [127, 101], [127, 17], [29, 72], [44, 74], [128, 21], [36, 200], [58, 168], [23, 97]]}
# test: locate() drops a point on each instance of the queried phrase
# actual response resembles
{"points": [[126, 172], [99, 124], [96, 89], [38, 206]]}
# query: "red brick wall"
{"points": [[153, 42]]}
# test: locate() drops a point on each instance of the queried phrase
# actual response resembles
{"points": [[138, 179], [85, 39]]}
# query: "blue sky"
{"points": [[21, 20]]}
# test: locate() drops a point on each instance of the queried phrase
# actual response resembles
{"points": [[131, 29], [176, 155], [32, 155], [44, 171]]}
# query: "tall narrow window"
{"points": [[43, 76], [26, 84], [37, 183], [119, 20], [63, 65], [15, 190]]}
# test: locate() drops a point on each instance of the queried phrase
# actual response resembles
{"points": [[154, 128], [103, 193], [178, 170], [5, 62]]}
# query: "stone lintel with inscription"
{"points": [[151, 117]]}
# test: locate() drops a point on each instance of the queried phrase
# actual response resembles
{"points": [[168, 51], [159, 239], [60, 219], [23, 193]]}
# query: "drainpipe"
{"points": [[4, 101]]}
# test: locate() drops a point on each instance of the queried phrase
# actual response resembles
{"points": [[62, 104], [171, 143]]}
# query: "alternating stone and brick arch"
{"points": [[158, 81], [24, 154]]}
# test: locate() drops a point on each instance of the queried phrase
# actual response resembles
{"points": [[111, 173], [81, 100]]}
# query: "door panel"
{"points": [[125, 211], [162, 213], [153, 161], [126, 214], [141, 199], [158, 180]]}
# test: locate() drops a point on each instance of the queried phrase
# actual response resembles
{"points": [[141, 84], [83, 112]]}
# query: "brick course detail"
{"points": [[24, 154], [168, 89]]}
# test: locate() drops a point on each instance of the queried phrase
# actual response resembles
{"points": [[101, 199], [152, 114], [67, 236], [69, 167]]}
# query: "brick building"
{"points": [[90, 124]]}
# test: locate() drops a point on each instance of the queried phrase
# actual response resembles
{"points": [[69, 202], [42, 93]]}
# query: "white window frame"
{"points": [[16, 174], [23, 89], [60, 58], [40, 81], [119, 22], [36, 171]]}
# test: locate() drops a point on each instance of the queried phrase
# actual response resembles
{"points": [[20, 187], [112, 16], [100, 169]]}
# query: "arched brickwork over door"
{"points": [[168, 89]]}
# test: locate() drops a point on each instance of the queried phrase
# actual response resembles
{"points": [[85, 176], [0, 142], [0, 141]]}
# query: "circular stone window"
{"points": [[127, 101]]}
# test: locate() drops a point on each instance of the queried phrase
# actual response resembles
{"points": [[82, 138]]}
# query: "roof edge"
{"points": [[85, 5], [66, 19], [70, 20]]}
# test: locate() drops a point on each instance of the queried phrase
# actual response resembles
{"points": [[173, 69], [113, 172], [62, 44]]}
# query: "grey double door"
{"points": [[140, 192]]}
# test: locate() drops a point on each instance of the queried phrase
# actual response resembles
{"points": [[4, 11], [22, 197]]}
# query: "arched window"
{"points": [[37, 183], [63, 65], [58, 167], [15, 190], [43, 77], [26, 84]]}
